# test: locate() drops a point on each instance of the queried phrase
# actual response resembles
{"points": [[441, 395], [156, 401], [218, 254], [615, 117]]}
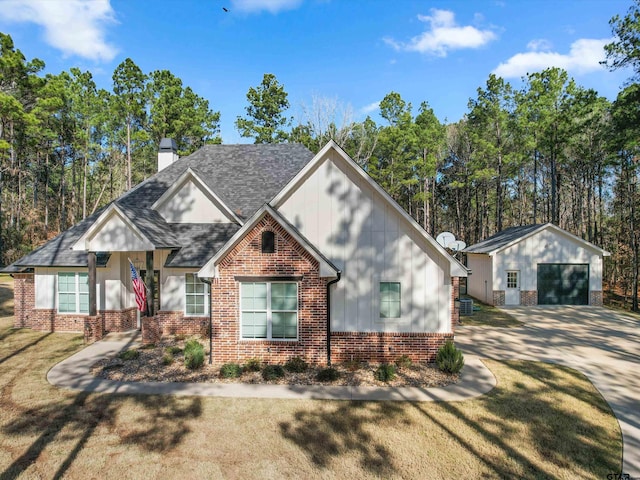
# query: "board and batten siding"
{"points": [[109, 288], [546, 246], [189, 204], [480, 283], [354, 226]]}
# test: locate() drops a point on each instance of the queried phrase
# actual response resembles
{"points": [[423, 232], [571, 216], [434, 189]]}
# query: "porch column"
{"points": [[150, 285], [93, 304]]}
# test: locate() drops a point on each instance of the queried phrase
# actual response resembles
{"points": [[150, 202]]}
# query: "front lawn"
{"points": [[541, 421]]}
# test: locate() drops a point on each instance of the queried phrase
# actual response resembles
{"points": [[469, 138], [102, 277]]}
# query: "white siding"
{"points": [[479, 283], [115, 235], [46, 286], [189, 204], [352, 224], [547, 246]]}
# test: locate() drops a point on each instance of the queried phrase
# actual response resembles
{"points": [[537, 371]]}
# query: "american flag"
{"points": [[138, 288]]}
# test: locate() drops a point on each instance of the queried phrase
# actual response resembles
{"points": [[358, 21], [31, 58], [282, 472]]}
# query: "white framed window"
{"points": [[390, 306], [196, 300], [513, 279], [73, 292], [269, 310]]}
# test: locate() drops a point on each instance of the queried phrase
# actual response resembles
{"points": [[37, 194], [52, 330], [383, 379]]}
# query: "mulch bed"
{"points": [[151, 366]]}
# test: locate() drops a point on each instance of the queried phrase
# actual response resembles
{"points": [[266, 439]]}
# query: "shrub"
{"points": [[174, 350], [449, 358], [130, 354], [385, 372], [354, 365], [296, 365], [167, 359], [328, 375], [403, 361], [193, 355], [272, 372], [253, 365], [230, 370]]}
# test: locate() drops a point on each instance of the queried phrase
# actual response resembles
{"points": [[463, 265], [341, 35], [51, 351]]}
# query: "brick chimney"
{"points": [[167, 154]]}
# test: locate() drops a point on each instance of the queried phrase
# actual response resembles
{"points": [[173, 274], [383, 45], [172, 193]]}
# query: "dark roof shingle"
{"points": [[501, 239], [244, 177]]}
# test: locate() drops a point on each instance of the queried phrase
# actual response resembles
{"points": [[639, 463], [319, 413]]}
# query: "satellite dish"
{"points": [[446, 239], [457, 246]]}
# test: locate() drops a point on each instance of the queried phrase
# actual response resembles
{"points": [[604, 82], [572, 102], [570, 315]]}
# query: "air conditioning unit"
{"points": [[466, 306]]}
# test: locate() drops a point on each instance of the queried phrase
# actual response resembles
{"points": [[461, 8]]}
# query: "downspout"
{"points": [[208, 282], [339, 272]]}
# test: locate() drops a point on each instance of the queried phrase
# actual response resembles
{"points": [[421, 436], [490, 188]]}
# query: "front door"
{"points": [[512, 293]]}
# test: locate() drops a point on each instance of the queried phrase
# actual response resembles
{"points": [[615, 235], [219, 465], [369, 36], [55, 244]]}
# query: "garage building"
{"points": [[535, 265]]}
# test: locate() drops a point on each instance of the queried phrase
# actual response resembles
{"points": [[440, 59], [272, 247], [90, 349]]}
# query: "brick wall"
{"points": [[120, 320], [247, 259], [498, 297], [386, 347], [595, 298], [174, 323], [528, 298], [93, 329], [24, 299]]}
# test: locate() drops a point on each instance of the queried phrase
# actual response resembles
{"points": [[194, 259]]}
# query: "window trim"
{"points": [[76, 292], [269, 310], [383, 318], [517, 278], [207, 297]]}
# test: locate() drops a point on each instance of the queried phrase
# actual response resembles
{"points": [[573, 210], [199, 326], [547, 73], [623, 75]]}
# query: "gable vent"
{"points": [[268, 242]]}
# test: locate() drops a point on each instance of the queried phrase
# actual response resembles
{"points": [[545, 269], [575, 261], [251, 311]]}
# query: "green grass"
{"points": [[541, 421], [489, 316]]}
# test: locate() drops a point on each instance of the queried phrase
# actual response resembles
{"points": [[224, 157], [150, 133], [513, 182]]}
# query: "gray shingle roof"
{"points": [[200, 242], [244, 177], [502, 238]]}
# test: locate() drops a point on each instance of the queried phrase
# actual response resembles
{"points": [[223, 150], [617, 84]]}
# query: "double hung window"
{"points": [[73, 292], [196, 296], [269, 310]]}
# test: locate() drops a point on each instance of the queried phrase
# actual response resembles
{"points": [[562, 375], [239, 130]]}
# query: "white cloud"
{"points": [[584, 56], [76, 27], [443, 35], [372, 107], [272, 6], [539, 45]]}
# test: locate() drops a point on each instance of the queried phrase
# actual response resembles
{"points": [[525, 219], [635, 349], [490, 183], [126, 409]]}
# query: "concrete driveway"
{"points": [[601, 343]]}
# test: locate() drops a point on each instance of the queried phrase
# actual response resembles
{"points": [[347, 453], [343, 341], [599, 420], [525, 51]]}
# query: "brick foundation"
{"points": [[24, 299], [595, 298], [120, 320], [498, 297], [151, 330], [528, 298], [93, 329], [386, 347], [175, 323]]}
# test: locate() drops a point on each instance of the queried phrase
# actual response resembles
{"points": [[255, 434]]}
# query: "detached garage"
{"points": [[535, 265]]}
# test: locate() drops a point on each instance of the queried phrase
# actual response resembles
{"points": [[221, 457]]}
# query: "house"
{"points": [[282, 252], [535, 265]]}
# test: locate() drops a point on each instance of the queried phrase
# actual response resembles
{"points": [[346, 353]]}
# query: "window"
{"points": [[73, 292], [389, 299], [512, 279], [269, 310], [268, 242], [196, 296]]}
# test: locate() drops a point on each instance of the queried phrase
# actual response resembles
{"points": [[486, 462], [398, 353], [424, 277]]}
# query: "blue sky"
{"points": [[352, 52]]}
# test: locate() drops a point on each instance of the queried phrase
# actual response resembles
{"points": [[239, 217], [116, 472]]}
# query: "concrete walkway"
{"points": [[74, 373], [601, 343]]}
